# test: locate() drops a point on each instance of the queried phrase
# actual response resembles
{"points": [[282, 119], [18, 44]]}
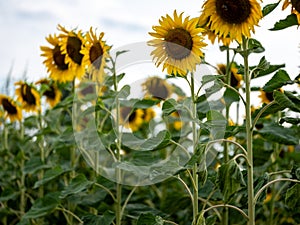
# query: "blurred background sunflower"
{"points": [[157, 88], [235, 77], [51, 91], [177, 43], [132, 119], [28, 96], [10, 109]]}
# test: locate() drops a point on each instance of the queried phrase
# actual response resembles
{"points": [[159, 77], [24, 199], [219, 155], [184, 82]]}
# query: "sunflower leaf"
{"points": [[287, 100], [290, 20], [105, 219], [149, 219], [269, 8], [280, 79], [290, 120], [279, 134], [254, 46], [77, 185], [292, 196]]}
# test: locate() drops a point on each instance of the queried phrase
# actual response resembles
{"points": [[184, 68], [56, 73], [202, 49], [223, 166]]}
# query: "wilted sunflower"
{"points": [[55, 61], [71, 46], [52, 93], [178, 44], [295, 7], [157, 88], [132, 119], [95, 53], [231, 18], [28, 96], [235, 78], [11, 109]]}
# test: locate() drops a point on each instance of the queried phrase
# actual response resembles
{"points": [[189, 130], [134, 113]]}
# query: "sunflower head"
{"points": [[231, 18], [10, 109], [50, 91], [157, 88], [148, 114], [177, 44], [132, 119], [55, 60], [28, 96], [235, 77], [71, 46], [267, 97], [95, 52], [295, 7], [175, 122]]}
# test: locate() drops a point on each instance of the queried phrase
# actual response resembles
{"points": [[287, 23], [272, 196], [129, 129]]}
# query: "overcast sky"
{"points": [[24, 24]]}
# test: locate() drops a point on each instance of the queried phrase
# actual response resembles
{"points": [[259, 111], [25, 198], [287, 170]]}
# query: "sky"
{"points": [[24, 24]]}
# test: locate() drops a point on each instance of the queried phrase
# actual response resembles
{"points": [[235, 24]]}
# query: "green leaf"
{"points": [[287, 100], [145, 103], [290, 120], [34, 164], [259, 183], [169, 107], [290, 20], [280, 79], [279, 134], [231, 96], [269, 8], [292, 196], [230, 179], [43, 206], [106, 219], [124, 92], [211, 220], [77, 185], [149, 219], [255, 46], [49, 175], [159, 141], [110, 79]]}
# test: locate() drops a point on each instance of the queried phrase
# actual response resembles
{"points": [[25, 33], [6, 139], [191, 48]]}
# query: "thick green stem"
{"points": [[22, 180], [251, 205], [42, 152], [195, 141]]}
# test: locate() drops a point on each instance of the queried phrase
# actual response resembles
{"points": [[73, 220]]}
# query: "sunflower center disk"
{"points": [[9, 107], [50, 93], [269, 96], [233, 11], [27, 95], [95, 54], [296, 5], [179, 43], [233, 81], [73, 49], [59, 58]]}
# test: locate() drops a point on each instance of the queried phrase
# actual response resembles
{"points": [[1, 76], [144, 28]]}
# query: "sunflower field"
{"points": [[188, 146]]}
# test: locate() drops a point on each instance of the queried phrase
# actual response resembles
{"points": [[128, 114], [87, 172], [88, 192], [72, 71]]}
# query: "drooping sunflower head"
{"points": [[50, 91], [71, 45], [28, 96], [95, 52], [295, 7], [235, 77], [10, 109], [157, 88], [177, 43], [231, 19], [132, 119], [55, 60]]}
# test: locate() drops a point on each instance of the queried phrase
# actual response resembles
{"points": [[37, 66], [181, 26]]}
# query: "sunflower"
{"points": [[95, 52], [266, 97], [295, 7], [71, 46], [28, 96], [11, 109], [178, 44], [55, 61], [52, 93], [157, 88], [231, 18], [148, 114], [235, 77], [132, 119], [176, 123]]}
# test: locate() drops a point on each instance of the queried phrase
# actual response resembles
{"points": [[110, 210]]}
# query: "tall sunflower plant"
{"points": [[77, 148]]}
